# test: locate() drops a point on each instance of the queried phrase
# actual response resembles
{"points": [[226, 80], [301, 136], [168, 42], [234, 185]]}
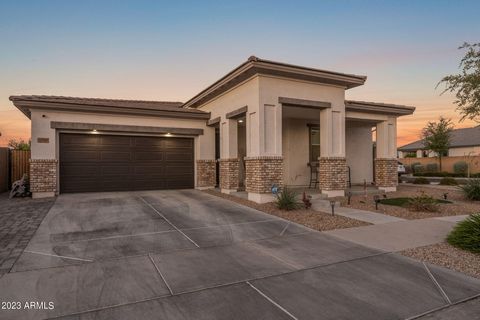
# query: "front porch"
{"points": [[297, 137]]}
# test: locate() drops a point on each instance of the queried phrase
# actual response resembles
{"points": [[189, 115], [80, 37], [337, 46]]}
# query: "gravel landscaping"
{"points": [[310, 218], [460, 205], [446, 255]]}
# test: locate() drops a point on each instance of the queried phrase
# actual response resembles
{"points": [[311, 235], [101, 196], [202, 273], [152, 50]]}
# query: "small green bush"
{"points": [[448, 181], [421, 180], [423, 202], [460, 167], [287, 200], [466, 234], [432, 174], [414, 165], [471, 189], [432, 167]]}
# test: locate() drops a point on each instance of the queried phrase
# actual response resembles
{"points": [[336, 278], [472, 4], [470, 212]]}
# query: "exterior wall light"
{"points": [[240, 121], [94, 131], [168, 134]]}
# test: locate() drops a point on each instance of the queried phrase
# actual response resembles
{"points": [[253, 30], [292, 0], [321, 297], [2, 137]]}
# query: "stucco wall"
{"points": [[333, 137], [245, 94], [359, 151], [41, 129], [458, 152], [204, 144]]}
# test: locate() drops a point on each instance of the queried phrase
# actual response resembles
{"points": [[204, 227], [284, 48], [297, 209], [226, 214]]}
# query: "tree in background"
{"points": [[19, 144], [466, 84], [436, 137]]}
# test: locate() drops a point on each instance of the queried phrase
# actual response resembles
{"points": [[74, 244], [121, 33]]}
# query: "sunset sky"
{"points": [[154, 50]]}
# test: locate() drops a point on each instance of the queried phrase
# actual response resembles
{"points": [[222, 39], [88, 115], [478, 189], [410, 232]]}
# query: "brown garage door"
{"points": [[94, 162]]}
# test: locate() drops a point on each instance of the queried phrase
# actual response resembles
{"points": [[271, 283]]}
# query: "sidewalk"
{"points": [[399, 235]]}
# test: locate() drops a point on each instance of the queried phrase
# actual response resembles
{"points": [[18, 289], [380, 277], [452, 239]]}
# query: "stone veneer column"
{"points": [[43, 177], [332, 174], [229, 175], [206, 174], [260, 174], [386, 174]]}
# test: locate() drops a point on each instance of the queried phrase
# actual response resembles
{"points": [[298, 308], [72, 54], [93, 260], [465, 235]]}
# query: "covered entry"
{"points": [[97, 162]]}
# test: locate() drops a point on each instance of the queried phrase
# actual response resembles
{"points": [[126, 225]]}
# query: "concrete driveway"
{"points": [[189, 255]]}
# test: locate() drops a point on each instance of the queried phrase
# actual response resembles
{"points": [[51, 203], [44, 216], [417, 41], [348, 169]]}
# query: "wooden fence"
{"points": [[19, 164], [4, 166]]}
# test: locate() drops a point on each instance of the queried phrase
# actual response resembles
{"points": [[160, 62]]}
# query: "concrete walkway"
{"points": [[399, 235]]}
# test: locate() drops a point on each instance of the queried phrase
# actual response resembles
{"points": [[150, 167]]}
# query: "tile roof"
{"points": [[465, 137]]}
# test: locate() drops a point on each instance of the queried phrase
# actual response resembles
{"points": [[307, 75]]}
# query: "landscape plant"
{"points": [[466, 234], [448, 181], [436, 137], [423, 202], [287, 200], [421, 180], [471, 189]]}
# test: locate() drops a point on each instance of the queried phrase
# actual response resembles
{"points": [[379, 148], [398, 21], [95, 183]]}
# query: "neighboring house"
{"points": [[463, 142], [265, 121]]}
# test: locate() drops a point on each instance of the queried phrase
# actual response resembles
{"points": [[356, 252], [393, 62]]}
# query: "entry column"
{"points": [[386, 167], [332, 162], [228, 156]]}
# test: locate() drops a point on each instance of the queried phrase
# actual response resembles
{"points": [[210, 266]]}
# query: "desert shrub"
{"points": [[432, 167], [419, 168], [448, 181], [423, 202], [421, 180], [287, 200], [471, 190], [466, 234], [432, 174], [414, 165], [460, 167]]}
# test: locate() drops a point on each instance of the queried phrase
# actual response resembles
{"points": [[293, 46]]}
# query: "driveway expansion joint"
{"points": [[437, 285], [272, 301], [168, 221]]}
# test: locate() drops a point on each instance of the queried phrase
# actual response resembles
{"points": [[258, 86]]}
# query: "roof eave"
{"points": [[265, 67], [26, 105]]}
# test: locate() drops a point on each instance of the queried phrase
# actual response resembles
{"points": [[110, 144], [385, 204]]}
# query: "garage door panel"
{"points": [[148, 142], [178, 143], [178, 156], [115, 156], [80, 156], [90, 163], [119, 141], [79, 170], [152, 155], [79, 140], [116, 170]]}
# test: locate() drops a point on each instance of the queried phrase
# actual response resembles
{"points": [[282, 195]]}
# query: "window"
{"points": [[314, 143]]}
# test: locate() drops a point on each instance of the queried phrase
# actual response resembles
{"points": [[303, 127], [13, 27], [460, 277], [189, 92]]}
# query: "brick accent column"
{"points": [[262, 172], [43, 176], [332, 173], [386, 173], [206, 173], [229, 174]]}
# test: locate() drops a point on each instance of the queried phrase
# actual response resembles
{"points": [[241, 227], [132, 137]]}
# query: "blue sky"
{"points": [[171, 50]]}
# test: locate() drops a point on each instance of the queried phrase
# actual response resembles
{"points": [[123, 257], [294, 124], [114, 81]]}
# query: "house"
{"points": [[463, 142], [264, 121]]}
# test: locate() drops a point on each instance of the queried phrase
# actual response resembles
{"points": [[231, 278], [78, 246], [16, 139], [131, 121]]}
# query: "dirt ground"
{"points": [[460, 205], [446, 255], [310, 218]]}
